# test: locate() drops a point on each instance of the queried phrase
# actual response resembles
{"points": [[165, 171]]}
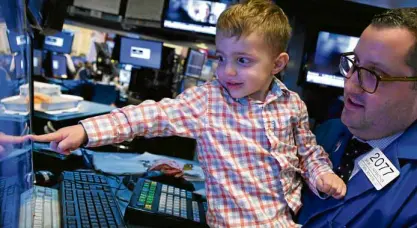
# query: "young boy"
{"points": [[252, 132]]}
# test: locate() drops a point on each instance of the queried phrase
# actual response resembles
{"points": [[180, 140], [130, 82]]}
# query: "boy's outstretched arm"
{"points": [[65, 139], [167, 117], [314, 161], [7, 140]]}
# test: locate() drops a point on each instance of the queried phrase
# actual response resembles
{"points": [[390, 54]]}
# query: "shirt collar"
{"points": [[381, 143], [277, 89]]}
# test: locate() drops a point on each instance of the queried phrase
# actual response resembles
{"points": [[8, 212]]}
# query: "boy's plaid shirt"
{"points": [[251, 151]]}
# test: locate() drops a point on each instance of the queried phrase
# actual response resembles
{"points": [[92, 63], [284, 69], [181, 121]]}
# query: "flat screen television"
{"points": [[323, 66], [194, 15], [140, 53], [194, 63], [60, 42]]}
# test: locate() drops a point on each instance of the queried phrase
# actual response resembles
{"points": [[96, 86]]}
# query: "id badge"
{"points": [[378, 168]]}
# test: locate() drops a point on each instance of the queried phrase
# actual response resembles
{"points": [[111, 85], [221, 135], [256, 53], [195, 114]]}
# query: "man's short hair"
{"points": [[401, 18], [261, 16]]}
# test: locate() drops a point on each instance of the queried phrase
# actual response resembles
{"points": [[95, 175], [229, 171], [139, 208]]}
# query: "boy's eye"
{"points": [[243, 60]]}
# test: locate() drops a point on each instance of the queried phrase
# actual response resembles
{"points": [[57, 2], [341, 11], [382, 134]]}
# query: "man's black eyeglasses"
{"points": [[368, 79]]}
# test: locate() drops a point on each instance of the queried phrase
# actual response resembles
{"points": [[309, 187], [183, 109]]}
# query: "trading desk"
{"points": [[121, 192], [198, 185], [87, 109]]}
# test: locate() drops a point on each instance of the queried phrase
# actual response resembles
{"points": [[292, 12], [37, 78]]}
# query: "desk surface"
{"points": [[87, 109], [123, 194]]}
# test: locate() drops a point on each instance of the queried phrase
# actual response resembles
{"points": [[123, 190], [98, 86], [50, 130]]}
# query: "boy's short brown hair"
{"points": [[261, 16]]}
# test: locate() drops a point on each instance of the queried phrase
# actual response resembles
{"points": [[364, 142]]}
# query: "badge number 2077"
{"points": [[382, 165], [378, 168]]}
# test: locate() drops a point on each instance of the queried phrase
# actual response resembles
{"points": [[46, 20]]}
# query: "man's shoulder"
{"points": [[330, 132], [331, 125]]}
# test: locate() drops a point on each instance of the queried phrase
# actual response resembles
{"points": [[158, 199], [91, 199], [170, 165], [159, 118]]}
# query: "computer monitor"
{"points": [[194, 15], [59, 66], [37, 62], [141, 53], [194, 63], [16, 41], [324, 67], [16, 173], [60, 42]]}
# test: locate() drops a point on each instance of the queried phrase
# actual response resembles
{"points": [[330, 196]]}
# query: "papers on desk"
{"points": [[134, 164]]}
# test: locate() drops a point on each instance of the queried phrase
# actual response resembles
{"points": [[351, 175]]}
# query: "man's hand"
{"points": [[6, 141], [332, 185], [65, 139]]}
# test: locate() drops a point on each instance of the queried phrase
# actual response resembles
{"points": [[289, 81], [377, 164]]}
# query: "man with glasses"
{"points": [[374, 147]]}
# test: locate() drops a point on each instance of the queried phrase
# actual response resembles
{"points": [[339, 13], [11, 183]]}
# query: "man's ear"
{"points": [[280, 62]]}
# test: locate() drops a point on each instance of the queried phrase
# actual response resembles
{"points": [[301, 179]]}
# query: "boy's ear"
{"points": [[280, 62]]}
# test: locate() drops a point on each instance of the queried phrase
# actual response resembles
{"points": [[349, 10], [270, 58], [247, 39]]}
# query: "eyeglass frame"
{"points": [[379, 78]]}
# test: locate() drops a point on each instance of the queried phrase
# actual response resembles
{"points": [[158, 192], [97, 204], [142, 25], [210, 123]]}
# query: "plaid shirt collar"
{"points": [[277, 90]]}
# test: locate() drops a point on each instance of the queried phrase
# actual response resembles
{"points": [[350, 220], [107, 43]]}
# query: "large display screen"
{"points": [[194, 15], [324, 69]]}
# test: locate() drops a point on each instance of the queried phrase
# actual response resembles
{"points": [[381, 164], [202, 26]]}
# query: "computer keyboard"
{"points": [[40, 209], [161, 205], [87, 201], [9, 199], [46, 202]]}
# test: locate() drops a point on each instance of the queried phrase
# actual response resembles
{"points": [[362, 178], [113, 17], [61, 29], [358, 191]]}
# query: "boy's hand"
{"points": [[332, 185], [6, 142], [65, 139]]}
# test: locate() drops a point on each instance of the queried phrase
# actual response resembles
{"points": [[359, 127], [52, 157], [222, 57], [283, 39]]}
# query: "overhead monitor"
{"points": [[60, 42], [16, 41], [107, 6], [193, 15], [59, 66], [194, 63], [141, 53], [324, 67]]}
